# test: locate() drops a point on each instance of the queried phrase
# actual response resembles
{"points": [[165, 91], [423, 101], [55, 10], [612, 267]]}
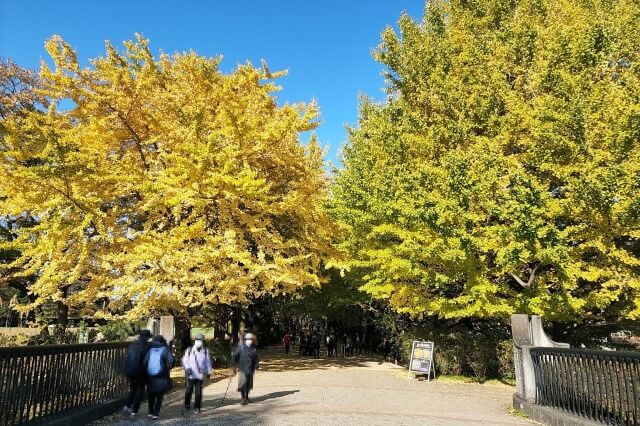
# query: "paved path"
{"points": [[352, 391]]}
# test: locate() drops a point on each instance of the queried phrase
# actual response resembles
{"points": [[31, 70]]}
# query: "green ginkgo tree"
{"points": [[502, 174]]}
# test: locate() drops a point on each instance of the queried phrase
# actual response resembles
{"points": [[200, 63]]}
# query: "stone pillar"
{"points": [[527, 333], [167, 328], [521, 339], [153, 325]]}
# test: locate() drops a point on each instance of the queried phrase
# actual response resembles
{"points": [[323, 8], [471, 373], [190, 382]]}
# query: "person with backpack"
{"points": [[158, 363], [197, 364], [245, 358], [135, 372]]}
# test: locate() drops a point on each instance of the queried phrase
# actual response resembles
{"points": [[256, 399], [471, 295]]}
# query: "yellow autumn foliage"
{"points": [[162, 184]]}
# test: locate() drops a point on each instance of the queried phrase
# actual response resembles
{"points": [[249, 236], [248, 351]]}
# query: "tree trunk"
{"points": [[220, 321], [236, 318], [63, 315], [183, 333]]}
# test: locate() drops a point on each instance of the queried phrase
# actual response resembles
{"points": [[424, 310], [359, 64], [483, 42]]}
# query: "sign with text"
{"points": [[421, 361]]}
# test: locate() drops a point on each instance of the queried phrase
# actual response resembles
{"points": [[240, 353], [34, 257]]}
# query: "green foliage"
{"points": [[595, 334], [53, 336], [115, 331], [220, 352], [515, 412], [502, 174], [339, 301], [506, 367], [481, 350], [19, 339]]}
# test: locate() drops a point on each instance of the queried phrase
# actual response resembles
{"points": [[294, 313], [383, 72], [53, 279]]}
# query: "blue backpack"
{"points": [[155, 365]]}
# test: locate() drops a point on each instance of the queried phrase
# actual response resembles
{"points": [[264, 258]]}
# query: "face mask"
{"points": [[198, 344], [249, 343]]}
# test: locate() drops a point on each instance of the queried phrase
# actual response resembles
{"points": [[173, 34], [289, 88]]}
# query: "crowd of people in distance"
{"points": [[311, 343]]}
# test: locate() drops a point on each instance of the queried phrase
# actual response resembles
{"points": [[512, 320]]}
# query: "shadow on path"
{"points": [[276, 361], [217, 403], [273, 395]]}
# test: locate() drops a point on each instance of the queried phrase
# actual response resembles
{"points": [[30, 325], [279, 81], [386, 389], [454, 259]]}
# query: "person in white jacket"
{"points": [[197, 365]]}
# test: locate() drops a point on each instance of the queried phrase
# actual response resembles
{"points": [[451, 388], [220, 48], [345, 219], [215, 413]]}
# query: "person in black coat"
{"points": [[245, 359], [158, 363], [136, 373], [303, 344], [316, 343]]}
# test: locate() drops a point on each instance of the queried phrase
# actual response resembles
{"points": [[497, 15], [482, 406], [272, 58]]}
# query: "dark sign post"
{"points": [[421, 361]]}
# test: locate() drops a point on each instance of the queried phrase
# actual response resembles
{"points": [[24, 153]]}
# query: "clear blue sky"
{"points": [[325, 45]]}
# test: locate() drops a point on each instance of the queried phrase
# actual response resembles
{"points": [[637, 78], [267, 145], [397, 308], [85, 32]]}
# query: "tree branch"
{"points": [[134, 135], [529, 282], [68, 197]]}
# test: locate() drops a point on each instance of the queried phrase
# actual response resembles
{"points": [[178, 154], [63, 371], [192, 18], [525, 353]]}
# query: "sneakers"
{"points": [[152, 416], [187, 407], [126, 410], [133, 414]]}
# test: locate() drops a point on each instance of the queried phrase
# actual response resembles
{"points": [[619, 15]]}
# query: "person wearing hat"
{"points": [[135, 372], [197, 365], [245, 359]]}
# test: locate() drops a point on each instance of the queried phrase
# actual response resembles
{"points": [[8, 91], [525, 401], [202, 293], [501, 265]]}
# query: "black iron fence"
{"points": [[603, 386], [38, 382]]}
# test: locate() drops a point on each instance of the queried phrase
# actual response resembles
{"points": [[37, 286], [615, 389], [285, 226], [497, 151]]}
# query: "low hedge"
{"points": [[479, 352]]}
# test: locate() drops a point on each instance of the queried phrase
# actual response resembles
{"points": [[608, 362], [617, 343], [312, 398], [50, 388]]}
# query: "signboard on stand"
{"points": [[421, 361]]}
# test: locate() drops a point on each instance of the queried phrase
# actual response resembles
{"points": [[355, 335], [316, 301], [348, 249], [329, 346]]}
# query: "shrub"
{"points": [[220, 352], [482, 360], [116, 331], [19, 339], [506, 368], [479, 350]]}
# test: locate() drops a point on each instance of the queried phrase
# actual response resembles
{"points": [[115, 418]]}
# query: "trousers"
{"points": [[155, 402], [191, 384], [136, 393]]}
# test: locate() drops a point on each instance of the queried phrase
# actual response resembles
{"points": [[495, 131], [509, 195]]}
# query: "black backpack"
{"points": [[133, 364]]}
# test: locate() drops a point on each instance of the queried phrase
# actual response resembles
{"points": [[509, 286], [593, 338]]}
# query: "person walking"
{"points": [[333, 349], [328, 344], [197, 365], [135, 372], [286, 341], [303, 344], [317, 344], [158, 363], [358, 345], [245, 359]]}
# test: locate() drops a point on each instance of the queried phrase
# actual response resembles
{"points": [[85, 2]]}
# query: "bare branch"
{"points": [[519, 280], [529, 282]]}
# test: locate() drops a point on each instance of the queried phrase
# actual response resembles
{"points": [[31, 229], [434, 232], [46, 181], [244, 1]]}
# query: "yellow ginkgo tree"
{"points": [[162, 184]]}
